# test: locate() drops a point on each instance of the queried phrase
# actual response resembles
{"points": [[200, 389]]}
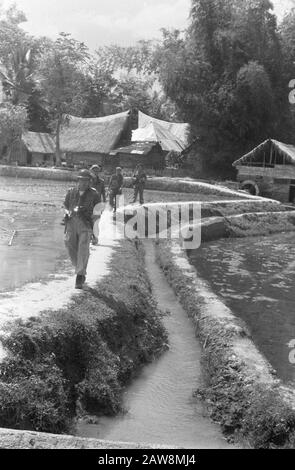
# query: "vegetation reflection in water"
{"points": [[255, 277]]}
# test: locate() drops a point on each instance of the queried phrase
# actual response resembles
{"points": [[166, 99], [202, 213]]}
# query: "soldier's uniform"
{"points": [[139, 180], [115, 188], [79, 226], [99, 184]]}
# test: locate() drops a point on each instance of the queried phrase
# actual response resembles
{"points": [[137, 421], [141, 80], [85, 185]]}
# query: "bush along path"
{"points": [[78, 359], [240, 388]]}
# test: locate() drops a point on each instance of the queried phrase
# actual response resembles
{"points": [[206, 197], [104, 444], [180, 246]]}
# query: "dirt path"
{"points": [[33, 298]]}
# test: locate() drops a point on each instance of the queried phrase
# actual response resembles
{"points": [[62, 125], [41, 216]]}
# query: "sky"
{"points": [[100, 22]]}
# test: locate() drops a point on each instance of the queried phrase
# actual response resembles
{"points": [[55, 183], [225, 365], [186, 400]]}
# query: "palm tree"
{"points": [[17, 77]]}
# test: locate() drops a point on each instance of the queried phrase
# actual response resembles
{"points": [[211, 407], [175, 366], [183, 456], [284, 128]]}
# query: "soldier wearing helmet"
{"points": [[79, 204]]}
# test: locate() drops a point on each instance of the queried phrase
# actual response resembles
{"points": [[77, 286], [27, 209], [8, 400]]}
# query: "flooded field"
{"points": [[52, 192], [160, 405], [27, 204], [256, 278], [33, 208], [36, 250]]}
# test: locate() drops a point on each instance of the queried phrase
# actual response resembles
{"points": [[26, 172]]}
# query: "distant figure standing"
{"points": [[98, 184], [139, 180], [79, 204], [115, 187]]}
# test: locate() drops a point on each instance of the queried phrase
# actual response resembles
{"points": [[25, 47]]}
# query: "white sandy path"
{"points": [[34, 298]]}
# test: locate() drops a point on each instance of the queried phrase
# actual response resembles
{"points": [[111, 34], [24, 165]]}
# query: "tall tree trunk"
{"points": [[9, 153], [57, 148]]}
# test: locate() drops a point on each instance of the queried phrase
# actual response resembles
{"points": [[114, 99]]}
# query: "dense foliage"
{"points": [[227, 75]]}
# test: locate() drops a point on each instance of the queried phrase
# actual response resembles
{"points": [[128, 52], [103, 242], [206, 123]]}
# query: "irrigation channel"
{"points": [[160, 408], [254, 277], [159, 404]]}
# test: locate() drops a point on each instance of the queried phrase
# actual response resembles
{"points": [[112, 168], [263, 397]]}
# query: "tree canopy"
{"points": [[227, 74]]}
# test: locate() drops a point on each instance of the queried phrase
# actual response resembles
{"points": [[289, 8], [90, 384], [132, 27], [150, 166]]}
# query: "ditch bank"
{"points": [[241, 389], [190, 186], [37, 173], [214, 220], [185, 185], [247, 225], [11, 439], [76, 360]]}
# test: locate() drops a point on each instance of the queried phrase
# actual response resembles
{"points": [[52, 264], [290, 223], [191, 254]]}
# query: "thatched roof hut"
{"points": [[91, 139], [38, 142], [95, 135], [269, 169], [34, 148], [269, 153]]}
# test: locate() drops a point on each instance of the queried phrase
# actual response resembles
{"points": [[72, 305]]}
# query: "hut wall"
{"points": [[279, 191], [42, 159], [278, 171], [272, 182], [88, 158], [156, 160], [129, 161], [19, 153]]}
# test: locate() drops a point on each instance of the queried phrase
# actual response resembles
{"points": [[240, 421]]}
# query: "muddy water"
{"points": [[256, 278], [34, 209], [37, 248], [159, 403]]}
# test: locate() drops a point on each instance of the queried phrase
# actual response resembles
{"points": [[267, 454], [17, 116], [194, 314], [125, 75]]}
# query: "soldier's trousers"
{"points": [[77, 240], [138, 190]]}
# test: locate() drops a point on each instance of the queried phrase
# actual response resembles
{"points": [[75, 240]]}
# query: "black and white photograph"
{"points": [[147, 228]]}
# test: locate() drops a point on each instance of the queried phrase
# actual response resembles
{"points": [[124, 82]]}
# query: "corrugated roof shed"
{"points": [[155, 132], [94, 135], [38, 142], [179, 130], [286, 150]]}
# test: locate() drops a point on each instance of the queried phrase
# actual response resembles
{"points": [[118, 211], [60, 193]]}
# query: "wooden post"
{"points": [[271, 152], [12, 237]]}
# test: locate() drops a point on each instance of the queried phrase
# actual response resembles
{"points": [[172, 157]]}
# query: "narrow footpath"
{"points": [[34, 298]]}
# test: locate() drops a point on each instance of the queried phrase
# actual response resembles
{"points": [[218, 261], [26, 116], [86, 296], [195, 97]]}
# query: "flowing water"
{"points": [[159, 403], [256, 277]]}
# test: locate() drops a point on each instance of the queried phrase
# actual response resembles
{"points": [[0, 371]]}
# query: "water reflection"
{"points": [[34, 254], [256, 277], [160, 405]]}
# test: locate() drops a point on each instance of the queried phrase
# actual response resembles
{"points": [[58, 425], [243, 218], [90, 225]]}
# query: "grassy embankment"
{"points": [[240, 388], [80, 358]]}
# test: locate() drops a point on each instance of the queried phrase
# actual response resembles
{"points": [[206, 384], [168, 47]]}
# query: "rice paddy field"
{"points": [[34, 208], [255, 278]]}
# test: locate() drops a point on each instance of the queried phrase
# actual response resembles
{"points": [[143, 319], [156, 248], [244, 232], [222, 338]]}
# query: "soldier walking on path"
{"points": [[115, 187], [79, 204], [139, 180], [98, 182]]}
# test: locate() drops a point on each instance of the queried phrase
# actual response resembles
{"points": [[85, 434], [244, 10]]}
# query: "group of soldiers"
{"points": [[84, 205]]}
